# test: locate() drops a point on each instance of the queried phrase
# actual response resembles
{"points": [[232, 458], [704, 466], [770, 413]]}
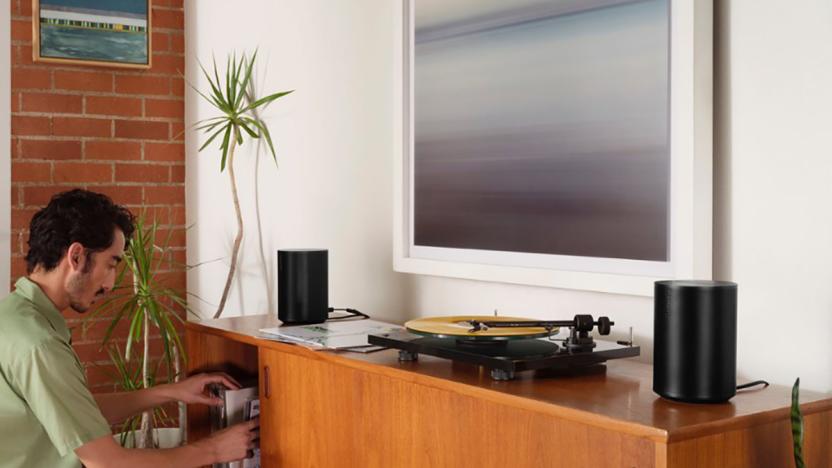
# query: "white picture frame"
{"points": [[690, 239]]}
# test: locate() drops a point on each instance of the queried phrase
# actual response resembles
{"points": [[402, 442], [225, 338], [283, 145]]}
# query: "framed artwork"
{"points": [[111, 33], [562, 143]]}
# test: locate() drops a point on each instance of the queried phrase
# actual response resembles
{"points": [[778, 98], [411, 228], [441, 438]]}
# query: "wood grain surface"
{"points": [[365, 409]]}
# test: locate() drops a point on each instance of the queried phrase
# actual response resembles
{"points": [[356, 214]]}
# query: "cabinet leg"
{"points": [[408, 355], [499, 374]]}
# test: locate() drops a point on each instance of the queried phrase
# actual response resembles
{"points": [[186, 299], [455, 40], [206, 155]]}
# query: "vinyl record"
{"points": [[459, 327]]}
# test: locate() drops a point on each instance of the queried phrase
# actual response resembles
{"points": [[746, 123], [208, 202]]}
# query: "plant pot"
{"points": [[168, 437]]}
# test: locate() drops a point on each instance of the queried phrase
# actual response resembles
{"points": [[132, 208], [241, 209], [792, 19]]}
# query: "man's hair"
{"points": [[81, 216]]}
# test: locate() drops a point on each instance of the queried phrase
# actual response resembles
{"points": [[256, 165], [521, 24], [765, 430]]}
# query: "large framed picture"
{"points": [[112, 33], [562, 143]]}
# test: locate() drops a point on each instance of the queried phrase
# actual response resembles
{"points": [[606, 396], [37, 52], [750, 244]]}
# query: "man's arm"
{"points": [[224, 446], [116, 407]]}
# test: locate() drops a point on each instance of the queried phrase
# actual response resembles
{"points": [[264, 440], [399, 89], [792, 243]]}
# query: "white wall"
{"points": [[773, 227], [775, 181], [333, 137], [5, 130]]}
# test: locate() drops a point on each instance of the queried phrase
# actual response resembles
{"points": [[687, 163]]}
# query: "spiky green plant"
{"points": [[237, 105], [141, 298], [797, 425]]}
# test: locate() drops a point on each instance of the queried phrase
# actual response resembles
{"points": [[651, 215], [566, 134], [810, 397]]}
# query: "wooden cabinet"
{"points": [[322, 409]]}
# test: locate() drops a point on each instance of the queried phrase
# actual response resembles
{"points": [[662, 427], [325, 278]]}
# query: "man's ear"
{"points": [[75, 256]]}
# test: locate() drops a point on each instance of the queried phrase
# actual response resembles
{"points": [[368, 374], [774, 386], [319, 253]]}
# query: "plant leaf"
{"points": [[797, 426], [266, 100], [225, 147]]}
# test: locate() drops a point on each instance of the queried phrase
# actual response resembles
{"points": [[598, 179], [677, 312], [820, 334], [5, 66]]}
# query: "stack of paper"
{"points": [[341, 334], [238, 406]]}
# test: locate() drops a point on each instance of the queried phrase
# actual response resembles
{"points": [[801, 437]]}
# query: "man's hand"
{"points": [[227, 445], [233, 443], [194, 389]]}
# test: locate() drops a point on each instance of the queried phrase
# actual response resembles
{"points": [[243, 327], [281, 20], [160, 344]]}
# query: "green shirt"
{"points": [[46, 409]]}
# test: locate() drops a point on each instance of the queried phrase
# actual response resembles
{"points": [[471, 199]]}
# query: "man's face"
{"points": [[95, 275]]}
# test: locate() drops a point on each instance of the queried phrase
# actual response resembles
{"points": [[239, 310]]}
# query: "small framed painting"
{"points": [[112, 33]]}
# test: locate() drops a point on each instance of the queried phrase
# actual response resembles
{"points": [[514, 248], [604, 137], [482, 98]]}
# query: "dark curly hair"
{"points": [[81, 216]]}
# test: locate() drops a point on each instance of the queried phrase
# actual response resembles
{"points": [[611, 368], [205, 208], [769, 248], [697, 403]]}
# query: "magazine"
{"points": [[342, 334]]}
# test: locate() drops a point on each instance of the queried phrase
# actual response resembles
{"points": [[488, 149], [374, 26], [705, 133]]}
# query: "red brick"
{"points": [[51, 103], [141, 130], [83, 172], [25, 125], [16, 196], [106, 105], [18, 268], [100, 375], [173, 108], [15, 102], [31, 171], [171, 237], [177, 215], [169, 64], [177, 86], [50, 149], [31, 78], [21, 30], [22, 216], [93, 331], [142, 84], [91, 352], [173, 279], [80, 126], [177, 174], [165, 195], [41, 194], [170, 19], [178, 256], [161, 43], [177, 42], [168, 3], [177, 131], [121, 194], [84, 81], [164, 151], [156, 214], [112, 150], [141, 173], [22, 55], [21, 8], [22, 236]]}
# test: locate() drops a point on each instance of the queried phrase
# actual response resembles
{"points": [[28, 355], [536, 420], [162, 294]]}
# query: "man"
{"points": [[48, 417]]}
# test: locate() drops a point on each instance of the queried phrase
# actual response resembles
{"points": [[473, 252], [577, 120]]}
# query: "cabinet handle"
{"points": [[266, 382]]}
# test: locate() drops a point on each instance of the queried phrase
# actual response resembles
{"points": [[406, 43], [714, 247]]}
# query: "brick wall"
{"points": [[111, 130]]}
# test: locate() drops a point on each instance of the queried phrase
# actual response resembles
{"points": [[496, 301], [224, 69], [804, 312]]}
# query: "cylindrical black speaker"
{"points": [[695, 340], [302, 286]]}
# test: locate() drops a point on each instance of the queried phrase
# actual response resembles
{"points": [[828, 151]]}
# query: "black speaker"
{"points": [[695, 340], [302, 286]]}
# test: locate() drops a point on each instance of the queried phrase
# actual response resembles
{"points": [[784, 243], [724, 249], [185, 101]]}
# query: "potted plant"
{"points": [[797, 426], [140, 298], [237, 104]]}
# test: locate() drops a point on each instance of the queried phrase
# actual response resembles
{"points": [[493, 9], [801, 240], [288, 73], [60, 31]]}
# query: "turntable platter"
{"points": [[459, 327]]}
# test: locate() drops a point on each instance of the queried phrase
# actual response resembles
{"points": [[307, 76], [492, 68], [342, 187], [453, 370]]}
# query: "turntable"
{"points": [[507, 345]]}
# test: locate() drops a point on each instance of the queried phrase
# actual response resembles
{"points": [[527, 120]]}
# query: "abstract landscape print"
{"points": [[542, 126], [97, 32]]}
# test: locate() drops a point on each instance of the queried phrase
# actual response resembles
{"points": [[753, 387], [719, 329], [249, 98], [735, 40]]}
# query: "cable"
{"points": [[351, 313], [752, 384]]}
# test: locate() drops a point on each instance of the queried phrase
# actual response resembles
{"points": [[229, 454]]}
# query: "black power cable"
{"points": [[351, 313], [752, 384]]}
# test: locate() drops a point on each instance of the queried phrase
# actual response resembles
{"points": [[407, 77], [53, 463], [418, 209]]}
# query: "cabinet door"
{"points": [[321, 411], [319, 414]]}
